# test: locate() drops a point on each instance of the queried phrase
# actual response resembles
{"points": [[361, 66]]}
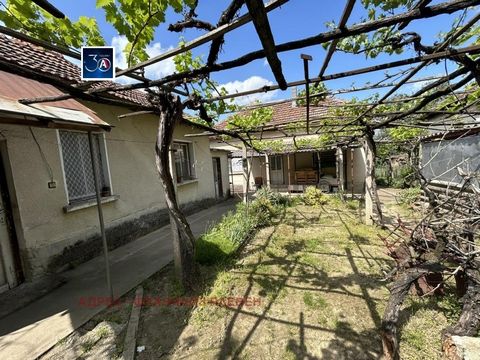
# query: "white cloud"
{"points": [[251, 83], [154, 71], [414, 87]]}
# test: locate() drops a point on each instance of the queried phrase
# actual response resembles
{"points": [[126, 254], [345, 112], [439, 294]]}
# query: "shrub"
{"points": [[275, 198], [222, 240], [404, 177], [410, 196], [313, 196]]}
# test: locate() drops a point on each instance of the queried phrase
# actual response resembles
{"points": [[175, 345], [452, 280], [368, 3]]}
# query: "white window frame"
{"points": [[191, 159], [105, 165]]}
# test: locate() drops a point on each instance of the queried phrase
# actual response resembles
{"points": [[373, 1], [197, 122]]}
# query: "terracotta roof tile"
{"points": [[54, 64], [286, 112]]}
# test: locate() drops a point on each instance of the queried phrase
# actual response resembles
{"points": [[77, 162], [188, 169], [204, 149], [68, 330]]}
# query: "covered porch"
{"points": [[331, 170]]}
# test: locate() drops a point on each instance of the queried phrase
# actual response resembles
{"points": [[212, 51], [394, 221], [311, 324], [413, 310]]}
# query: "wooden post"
{"points": [[177, 251], [289, 173], [246, 175], [351, 169], [319, 164], [267, 171], [340, 170], [372, 204]]}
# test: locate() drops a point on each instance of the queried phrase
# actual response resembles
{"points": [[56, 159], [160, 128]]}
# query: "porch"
{"points": [[332, 170]]}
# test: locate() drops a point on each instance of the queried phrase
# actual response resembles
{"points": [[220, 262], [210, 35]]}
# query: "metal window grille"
{"points": [[77, 164]]}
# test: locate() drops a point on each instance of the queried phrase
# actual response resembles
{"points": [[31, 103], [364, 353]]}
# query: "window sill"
{"points": [[186, 182], [89, 203]]}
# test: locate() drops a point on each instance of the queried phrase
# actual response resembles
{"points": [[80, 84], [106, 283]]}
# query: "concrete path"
{"points": [[32, 330]]}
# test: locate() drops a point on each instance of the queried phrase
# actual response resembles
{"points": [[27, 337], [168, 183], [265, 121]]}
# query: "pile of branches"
{"points": [[443, 246]]}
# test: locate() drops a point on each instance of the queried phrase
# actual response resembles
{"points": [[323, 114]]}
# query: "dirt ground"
{"points": [[314, 286]]}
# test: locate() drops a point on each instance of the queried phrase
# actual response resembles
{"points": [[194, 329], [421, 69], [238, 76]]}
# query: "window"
{"points": [[78, 167], [237, 165], [183, 156], [276, 162]]}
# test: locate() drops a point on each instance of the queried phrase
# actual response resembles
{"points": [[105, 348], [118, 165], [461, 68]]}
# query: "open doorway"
{"points": [[10, 273], [217, 177]]}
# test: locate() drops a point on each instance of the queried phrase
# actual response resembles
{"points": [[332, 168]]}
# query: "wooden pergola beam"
{"points": [[420, 5], [211, 35], [73, 54], [264, 32], [439, 55], [429, 12], [424, 63], [333, 46]]}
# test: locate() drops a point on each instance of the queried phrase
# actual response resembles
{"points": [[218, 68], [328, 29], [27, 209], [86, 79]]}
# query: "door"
{"points": [[276, 169], [8, 278], [217, 177]]}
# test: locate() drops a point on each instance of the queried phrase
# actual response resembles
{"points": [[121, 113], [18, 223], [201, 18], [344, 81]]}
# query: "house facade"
{"points": [[49, 219], [293, 167]]}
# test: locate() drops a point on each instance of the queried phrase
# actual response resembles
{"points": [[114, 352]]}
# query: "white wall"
{"points": [[355, 170], [44, 229]]}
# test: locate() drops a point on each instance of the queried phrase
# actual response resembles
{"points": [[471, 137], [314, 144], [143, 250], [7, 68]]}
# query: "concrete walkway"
{"points": [[32, 330]]}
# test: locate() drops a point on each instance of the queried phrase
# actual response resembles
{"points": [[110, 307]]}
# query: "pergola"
{"points": [[170, 107]]}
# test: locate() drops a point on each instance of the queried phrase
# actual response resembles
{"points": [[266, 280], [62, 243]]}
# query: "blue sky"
{"points": [[296, 19]]}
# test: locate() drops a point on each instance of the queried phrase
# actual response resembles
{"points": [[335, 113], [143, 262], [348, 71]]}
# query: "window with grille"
{"points": [[77, 165], [183, 156]]}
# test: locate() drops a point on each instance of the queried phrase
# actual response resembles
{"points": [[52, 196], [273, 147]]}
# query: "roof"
{"points": [[54, 65], [15, 87], [452, 134], [286, 112]]}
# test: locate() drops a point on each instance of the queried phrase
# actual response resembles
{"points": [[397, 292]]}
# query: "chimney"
{"points": [[294, 96]]}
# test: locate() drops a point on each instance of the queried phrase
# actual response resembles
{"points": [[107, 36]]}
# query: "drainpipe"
{"points": [[100, 213]]}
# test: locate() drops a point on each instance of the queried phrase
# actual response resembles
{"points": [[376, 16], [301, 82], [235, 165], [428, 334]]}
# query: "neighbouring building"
{"points": [[294, 166], [447, 155], [49, 221]]}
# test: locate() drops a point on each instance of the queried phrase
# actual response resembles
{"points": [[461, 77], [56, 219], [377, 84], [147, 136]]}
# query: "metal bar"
{"points": [[137, 113], [52, 10], [306, 59], [203, 39], [333, 46], [467, 50], [100, 214]]}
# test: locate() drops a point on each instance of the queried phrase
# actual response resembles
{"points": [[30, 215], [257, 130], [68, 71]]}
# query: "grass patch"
{"points": [[314, 301], [221, 241]]}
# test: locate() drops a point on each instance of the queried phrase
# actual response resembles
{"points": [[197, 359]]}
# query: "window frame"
{"points": [[191, 156], [105, 166]]}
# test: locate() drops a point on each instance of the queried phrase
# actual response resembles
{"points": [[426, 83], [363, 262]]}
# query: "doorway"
{"points": [[217, 177], [276, 169], [8, 270]]}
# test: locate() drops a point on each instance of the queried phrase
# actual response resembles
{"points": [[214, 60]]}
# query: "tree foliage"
{"points": [[250, 120], [26, 17], [319, 92], [137, 21]]}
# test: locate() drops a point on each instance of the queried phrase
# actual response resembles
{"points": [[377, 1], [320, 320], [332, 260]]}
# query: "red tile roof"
{"points": [[53, 64], [286, 112]]}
